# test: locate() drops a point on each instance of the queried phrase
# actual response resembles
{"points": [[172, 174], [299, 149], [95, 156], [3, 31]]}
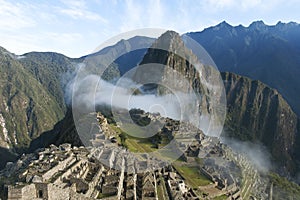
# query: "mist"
{"points": [[92, 91], [67, 83], [257, 154]]}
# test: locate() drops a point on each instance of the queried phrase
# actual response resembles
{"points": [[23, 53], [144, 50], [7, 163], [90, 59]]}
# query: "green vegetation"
{"points": [[132, 143], [52, 70], [222, 197], [284, 189], [134, 130], [192, 175], [139, 145], [102, 196], [30, 108], [131, 135], [199, 161], [161, 189], [258, 113]]}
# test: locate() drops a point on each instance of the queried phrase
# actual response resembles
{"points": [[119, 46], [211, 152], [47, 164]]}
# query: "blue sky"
{"points": [[76, 28]]}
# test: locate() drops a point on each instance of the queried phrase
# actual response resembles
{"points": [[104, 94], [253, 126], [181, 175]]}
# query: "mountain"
{"points": [[255, 112], [34, 97], [261, 52], [176, 71], [53, 70], [27, 108], [118, 58], [258, 113]]}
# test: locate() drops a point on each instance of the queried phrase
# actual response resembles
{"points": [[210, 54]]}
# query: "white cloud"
{"points": [[82, 14], [155, 12], [132, 18], [15, 16], [79, 10], [62, 38], [36, 25], [147, 14]]}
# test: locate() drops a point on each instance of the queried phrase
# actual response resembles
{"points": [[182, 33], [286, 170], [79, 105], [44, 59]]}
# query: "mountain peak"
{"points": [[283, 25], [4, 51], [224, 24], [170, 40], [169, 35], [258, 25]]}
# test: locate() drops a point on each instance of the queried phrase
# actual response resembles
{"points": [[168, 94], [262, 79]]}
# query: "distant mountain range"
{"points": [[270, 54], [34, 109]]}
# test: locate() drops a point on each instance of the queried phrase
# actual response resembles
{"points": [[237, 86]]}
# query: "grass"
{"points": [[199, 161], [139, 145], [222, 197], [245, 185], [161, 189], [101, 196], [283, 188], [134, 130], [192, 175], [136, 144]]}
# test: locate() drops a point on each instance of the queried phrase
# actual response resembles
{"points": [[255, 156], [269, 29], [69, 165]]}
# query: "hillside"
{"points": [[257, 113], [54, 71], [27, 108]]}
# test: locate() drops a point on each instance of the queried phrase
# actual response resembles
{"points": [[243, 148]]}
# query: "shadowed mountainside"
{"points": [[257, 113], [266, 53]]}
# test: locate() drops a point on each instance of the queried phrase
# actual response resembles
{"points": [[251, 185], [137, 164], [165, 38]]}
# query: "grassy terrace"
{"points": [[246, 183], [161, 189], [135, 144], [191, 174], [222, 197], [102, 196]]}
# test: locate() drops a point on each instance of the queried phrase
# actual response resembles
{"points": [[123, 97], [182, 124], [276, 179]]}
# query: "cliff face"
{"points": [[259, 113], [182, 71]]}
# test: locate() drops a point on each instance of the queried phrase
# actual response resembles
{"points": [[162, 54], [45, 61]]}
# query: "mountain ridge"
{"points": [[267, 53], [27, 109]]}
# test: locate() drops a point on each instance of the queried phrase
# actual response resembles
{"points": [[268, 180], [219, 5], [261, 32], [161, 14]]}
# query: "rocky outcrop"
{"points": [[176, 69]]}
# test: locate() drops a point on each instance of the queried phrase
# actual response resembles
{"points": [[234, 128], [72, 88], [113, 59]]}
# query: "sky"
{"points": [[77, 27]]}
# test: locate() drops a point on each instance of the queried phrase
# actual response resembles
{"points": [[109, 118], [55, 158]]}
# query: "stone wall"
{"points": [[29, 192], [14, 192], [57, 192], [62, 165]]}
